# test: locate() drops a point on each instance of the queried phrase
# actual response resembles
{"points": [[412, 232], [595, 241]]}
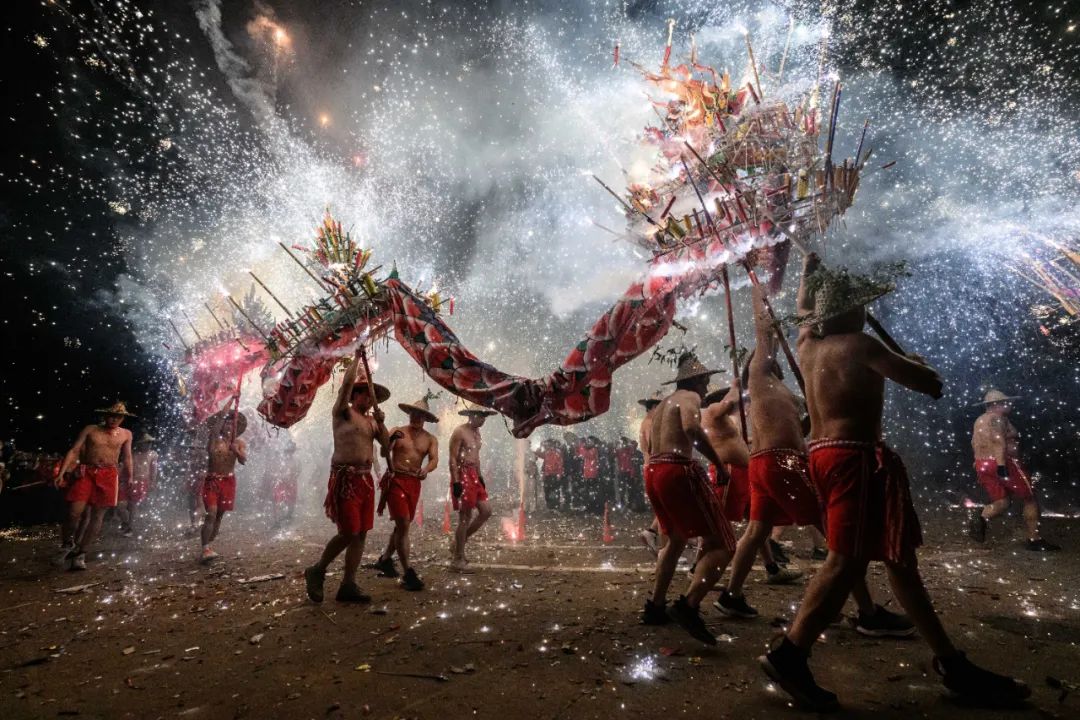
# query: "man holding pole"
{"points": [[100, 452], [864, 488], [413, 455], [466, 482], [350, 497], [224, 449]]}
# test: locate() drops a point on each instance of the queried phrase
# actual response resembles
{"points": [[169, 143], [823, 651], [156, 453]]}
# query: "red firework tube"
{"points": [[667, 208], [753, 94]]}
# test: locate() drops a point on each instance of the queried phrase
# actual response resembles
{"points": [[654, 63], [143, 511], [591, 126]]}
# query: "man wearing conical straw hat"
{"points": [[350, 495], [99, 452], [466, 482], [143, 479], [685, 505], [864, 488], [224, 449], [413, 455], [996, 444]]}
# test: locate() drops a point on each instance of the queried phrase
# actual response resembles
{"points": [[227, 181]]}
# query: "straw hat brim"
{"points": [[1007, 398], [382, 393], [860, 301], [409, 409], [478, 413], [109, 411], [648, 403], [691, 376], [715, 396]]}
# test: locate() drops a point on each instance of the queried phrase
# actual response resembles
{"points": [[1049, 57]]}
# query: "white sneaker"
{"points": [[208, 555], [61, 557], [78, 562], [648, 538]]}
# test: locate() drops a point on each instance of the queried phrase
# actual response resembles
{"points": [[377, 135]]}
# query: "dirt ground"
{"points": [[547, 628]]}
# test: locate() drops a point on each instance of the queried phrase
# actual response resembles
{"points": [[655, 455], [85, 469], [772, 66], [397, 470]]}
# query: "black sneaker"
{"points": [[1041, 545], [819, 554], [883, 623], [654, 614], [786, 666], [412, 581], [733, 606], [349, 592], [313, 581], [779, 554], [977, 526], [971, 683], [385, 566], [690, 620]]}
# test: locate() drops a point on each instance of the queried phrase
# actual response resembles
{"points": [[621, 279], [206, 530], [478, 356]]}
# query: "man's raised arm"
{"points": [[341, 405], [765, 340], [805, 302], [912, 371]]}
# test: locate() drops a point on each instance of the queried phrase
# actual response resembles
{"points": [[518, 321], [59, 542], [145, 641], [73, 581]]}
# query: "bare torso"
{"points": [[221, 457], [645, 433], [724, 435], [993, 432], [354, 438], [465, 444], [409, 451], [667, 434], [774, 413], [103, 446], [844, 394]]}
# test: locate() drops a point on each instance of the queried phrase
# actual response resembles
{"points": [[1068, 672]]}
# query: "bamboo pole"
{"points": [[304, 267], [177, 331], [246, 317], [270, 293]]}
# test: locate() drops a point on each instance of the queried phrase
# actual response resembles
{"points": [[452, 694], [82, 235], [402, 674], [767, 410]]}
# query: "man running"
{"points": [[143, 477], [996, 444], [224, 450], [98, 451], [350, 495], [413, 455], [781, 492], [467, 483], [864, 486], [685, 506]]}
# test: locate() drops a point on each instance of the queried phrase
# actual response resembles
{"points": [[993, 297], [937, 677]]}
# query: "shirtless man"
{"points": [[466, 483], [864, 486], [413, 455], [100, 452], [350, 496], [650, 536], [781, 492], [997, 463], [718, 419], [143, 478], [685, 506], [224, 449]]}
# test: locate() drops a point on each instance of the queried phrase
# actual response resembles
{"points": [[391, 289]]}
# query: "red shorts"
{"points": [[735, 496], [219, 491], [350, 498], [684, 504], [284, 491], [868, 509], [1017, 484], [473, 489], [134, 491], [403, 495], [781, 492], [95, 485]]}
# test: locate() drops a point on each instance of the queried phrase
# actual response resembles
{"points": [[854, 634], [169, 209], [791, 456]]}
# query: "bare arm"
{"points": [[381, 433], [239, 448], [71, 459], [690, 417], [125, 455], [765, 341], [433, 456], [341, 405], [909, 372], [805, 303], [455, 454]]}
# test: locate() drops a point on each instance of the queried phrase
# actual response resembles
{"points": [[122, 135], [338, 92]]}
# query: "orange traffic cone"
{"points": [[609, 537], [419, 517], [521, 522], [446, 519]]}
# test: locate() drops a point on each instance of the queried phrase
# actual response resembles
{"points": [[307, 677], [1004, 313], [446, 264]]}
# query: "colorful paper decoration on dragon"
{"points": [[738, 178]]}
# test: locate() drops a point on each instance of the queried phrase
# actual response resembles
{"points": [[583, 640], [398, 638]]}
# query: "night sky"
{"points": [[75, 133]]}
